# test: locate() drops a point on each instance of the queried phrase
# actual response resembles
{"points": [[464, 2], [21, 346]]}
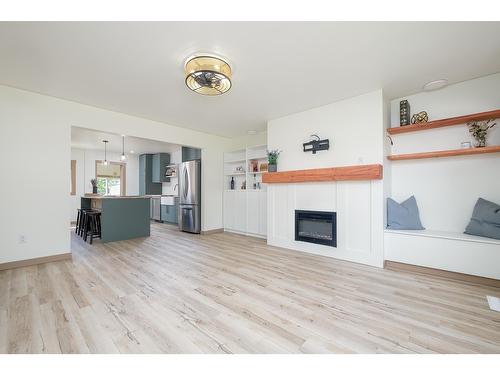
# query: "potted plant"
{"points": [[272, 158], [94, 185], [479, 130]]}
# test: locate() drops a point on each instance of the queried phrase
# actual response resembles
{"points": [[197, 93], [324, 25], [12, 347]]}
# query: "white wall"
{"points": [[352, 125], [35, 152], [355, 128], [249, 140], [85, 171], [446, 189]]}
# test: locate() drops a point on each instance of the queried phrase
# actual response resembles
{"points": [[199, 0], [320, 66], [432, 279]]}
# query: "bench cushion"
{"points": [[485, 220], [403, 215]]}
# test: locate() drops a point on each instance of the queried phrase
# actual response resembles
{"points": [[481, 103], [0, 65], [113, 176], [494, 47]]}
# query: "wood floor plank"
{"points": [[175, 292]]}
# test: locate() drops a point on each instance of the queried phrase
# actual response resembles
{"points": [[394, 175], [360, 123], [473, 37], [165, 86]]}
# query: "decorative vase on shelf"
{"points": [[481, 142], [94, 189], [272, 167]]}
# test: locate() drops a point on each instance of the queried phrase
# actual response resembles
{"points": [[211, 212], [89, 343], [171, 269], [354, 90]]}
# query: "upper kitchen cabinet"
{"points": [[189, 153], [146, 184], [160, 162]]}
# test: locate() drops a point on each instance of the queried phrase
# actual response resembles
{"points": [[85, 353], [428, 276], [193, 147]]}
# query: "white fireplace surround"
{"points": [[359, 217], [355, 128]]}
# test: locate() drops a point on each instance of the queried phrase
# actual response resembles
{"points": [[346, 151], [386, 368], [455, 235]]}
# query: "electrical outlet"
{"points": [[22, 238]]}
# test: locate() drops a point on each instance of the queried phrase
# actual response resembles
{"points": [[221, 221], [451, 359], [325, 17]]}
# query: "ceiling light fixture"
{"points": [[123, 157], [105, 153], [207, 75], [435, 85]]}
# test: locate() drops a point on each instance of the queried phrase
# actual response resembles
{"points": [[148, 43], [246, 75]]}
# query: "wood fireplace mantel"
{"points": [[354, 172]]}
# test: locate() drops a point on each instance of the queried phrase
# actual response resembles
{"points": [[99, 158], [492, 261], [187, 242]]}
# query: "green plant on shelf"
{"points": [[479, 130], [272, 156]]}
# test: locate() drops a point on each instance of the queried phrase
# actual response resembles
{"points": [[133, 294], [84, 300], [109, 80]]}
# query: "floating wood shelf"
{"points": [[446, 153], [445, 122], [356, 172]]}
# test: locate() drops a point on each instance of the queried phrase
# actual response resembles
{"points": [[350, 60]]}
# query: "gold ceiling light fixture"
{"points": [[207, 75]]}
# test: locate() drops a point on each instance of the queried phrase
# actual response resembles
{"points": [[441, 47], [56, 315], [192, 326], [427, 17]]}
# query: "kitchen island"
{"points": [[122, 218]]}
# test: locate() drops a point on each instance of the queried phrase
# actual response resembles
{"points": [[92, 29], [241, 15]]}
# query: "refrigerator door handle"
{"points": [[186, 184]]}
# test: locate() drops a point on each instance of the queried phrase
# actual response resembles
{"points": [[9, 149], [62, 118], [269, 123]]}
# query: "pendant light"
{"points": [[123, 157], [105, 153]]}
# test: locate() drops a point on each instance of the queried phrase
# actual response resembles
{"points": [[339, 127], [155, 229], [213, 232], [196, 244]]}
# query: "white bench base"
{"points": [[455, 252]]}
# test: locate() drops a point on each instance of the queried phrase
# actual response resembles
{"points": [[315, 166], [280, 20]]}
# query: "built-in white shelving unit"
{"points": [[245, 209]]}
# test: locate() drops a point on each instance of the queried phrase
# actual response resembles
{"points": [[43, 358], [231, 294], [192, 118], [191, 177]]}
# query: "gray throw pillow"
{"points": [[403, 215], [485, 220]]}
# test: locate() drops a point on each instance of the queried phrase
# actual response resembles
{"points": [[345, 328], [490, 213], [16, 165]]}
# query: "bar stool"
{"points": [[80, 218], [92, 225]]}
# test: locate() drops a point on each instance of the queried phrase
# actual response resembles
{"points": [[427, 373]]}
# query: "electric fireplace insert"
{"points": [[316, 226]]}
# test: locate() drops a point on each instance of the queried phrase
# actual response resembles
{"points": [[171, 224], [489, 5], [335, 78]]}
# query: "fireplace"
{"points": [[318, 227]]}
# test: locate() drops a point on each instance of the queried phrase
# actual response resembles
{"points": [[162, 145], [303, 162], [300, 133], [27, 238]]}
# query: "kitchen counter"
{"points": [[92, 196], [122, 218]]}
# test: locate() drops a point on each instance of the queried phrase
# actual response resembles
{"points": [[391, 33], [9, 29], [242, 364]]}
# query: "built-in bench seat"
{"points": [[456, 252]]}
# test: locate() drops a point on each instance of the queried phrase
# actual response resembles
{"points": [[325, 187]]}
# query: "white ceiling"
{"points": [[87, 139], [279, 67]]}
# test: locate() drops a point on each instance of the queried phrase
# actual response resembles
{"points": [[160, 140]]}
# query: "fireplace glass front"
{"points": [[316, 226]]}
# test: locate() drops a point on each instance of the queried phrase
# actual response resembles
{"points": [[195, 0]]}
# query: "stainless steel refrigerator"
{"points": [[190, 196]]}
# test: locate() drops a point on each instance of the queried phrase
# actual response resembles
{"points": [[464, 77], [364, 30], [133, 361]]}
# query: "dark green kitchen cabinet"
{"points": [[160, 162], [169, 213], [146, 184], [189, 153]]}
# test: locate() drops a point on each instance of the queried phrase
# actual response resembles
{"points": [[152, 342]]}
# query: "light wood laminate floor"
{"points": [[181, 293]]}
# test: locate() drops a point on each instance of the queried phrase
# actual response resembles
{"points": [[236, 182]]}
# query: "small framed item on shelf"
{"points": [[263, 167], [253, 166]]}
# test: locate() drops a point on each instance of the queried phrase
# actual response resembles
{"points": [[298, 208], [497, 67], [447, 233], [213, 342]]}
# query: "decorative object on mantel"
{"points": [[93, 182], [263, 167], [420, 118], [404, 113], [272, 158], [316, 144], [466, 144], [479, 130]]}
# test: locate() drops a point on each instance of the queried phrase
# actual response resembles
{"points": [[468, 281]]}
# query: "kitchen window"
{"points": [[110, 178]]}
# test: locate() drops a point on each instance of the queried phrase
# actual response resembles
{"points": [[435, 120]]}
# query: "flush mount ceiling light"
{"points": [[435, 85], [207, 75]]}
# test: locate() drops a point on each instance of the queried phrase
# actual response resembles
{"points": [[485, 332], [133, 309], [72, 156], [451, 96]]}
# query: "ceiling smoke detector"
{"points": [[207, 75], [435, 85]]}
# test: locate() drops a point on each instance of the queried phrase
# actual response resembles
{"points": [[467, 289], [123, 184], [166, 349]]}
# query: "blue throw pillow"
{"points": [[403, 215], [485, 220]]}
